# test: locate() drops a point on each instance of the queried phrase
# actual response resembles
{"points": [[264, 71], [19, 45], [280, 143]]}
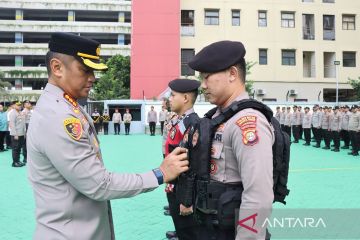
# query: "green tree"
{"points": [[355, 83], [249, 83], [3, 84], [115, 82]]}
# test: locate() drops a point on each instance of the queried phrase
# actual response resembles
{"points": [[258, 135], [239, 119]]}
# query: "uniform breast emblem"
{"points": [[172, 133], [73, 128]]}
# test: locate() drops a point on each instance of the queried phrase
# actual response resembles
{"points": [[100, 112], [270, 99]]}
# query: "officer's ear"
{"points": [[56, 67], [233, 73], [186, 98]]}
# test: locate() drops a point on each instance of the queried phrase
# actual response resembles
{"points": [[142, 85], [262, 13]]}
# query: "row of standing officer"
{"points": [[325, 123]]}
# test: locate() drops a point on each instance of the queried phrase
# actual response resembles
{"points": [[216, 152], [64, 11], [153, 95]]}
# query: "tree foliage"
{"points": [[249, 83], [355, 84], [115, 82]]}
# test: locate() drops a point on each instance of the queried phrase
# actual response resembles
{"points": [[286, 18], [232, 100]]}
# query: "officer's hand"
{"points": [[16, 137], [174, 164], [184, 211]]}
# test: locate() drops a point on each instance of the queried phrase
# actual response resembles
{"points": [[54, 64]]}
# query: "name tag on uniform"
{"points": [[216, 150]]}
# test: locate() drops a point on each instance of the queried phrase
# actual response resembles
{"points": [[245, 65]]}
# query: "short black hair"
{"points": [[241, 66], [49, 56]]}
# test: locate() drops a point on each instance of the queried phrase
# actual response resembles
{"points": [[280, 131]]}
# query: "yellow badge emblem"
{"points": [[73, 128], [98, 51]]}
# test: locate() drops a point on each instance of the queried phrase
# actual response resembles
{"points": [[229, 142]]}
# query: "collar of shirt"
{"points": [[242, 96]]}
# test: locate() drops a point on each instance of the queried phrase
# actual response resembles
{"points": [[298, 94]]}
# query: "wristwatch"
{"points": [[159, 175]]}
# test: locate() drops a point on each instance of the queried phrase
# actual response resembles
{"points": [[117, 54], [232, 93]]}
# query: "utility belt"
{"points": [[218, 203]]}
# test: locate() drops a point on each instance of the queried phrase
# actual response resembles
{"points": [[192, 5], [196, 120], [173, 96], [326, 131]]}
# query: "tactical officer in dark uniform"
{"points": [[241, 161], [183, 95], [105, 121]]}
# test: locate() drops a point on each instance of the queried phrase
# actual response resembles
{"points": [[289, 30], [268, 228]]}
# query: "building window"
{"points": [[187, 18], [18, 61], [288, 19], [235, 17], [263, 56], [121, 39], [348, 22], [71, 16], [328, 1], [307, 0], [19, 15], [187, 23], [186, 56], [262, 18], [288, 57], [329, 27], [349, 59], [18, 37], [212, 17]]}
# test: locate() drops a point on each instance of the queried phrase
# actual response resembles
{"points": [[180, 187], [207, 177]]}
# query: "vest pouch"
{"points": [[229, 202]]}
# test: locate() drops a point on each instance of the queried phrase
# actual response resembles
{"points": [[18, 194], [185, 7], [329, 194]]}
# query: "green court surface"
{"points": [[318, 179]]}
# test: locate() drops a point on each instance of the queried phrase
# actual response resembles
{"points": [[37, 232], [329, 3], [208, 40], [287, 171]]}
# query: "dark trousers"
{"points": [[317, 135], [97, 127], [106, 128], [152, 127], [186, 227], [8, 139], [2, 140], [354, 141], [307, 134], [282, 126], [117, 128], [127, 128], [301, 132], [216, 233], [288, 130], [326, 136], [346, 137], [162, 127], [17, 145], [296, 132], [336, 139]]}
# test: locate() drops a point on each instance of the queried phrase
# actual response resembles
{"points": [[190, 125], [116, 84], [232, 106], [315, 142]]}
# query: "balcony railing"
{"points": [[187, 31], [329, 35], [308, 33]]}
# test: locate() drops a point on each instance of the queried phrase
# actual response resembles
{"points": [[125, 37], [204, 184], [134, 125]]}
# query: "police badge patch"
{"points": [[172, 133], [250, 136], [247, 125], [73, 128]]}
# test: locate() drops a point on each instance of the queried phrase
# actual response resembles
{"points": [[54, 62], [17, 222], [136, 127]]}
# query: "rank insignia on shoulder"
{"points": [[73, 128], [71, 100]]}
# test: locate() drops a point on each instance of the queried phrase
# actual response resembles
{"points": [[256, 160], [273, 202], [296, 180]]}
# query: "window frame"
{"points": [[184, 62], [260, 18], [288, 21], [216, 19], [235, 17], [353, 16], [287, 60], [347, 59], [263, 57]]}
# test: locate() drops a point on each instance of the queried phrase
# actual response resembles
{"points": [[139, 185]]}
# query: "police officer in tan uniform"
{"points": [[306, 126], [335, 127], [325, 124], [354, 127], [72, 187], [242, 150]]}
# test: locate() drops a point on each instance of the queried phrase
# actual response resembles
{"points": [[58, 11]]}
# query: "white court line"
{"points": [[323, 169]]}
